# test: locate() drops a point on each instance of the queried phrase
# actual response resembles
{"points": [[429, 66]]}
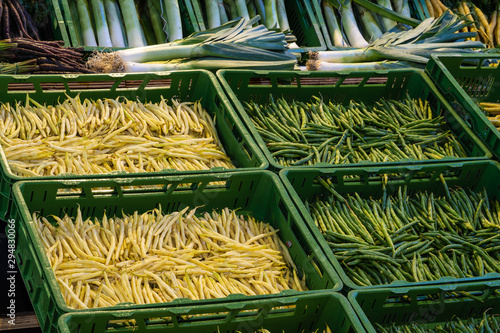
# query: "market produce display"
{"points": [[236, 44], [488, 323], [156, 257], [101, 136], [410, 237], [299, 133]]}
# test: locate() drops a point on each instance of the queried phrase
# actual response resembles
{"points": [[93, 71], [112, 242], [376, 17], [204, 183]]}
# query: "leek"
{"points": [[261, 10], [231, 9], [213, 14], [405, 10], [432, 36], [173, 14], [282, 17], [135, 35], [351, 29], [317, 65], [209, 63], [388, 23], [237, 40], [222, 12], [252, 11], [241, 8], [333, 26], [271, 21], [113, 17], [85, 23], [102, 30], [369, 23], [402, 7], [156, 23], [385, 12]]}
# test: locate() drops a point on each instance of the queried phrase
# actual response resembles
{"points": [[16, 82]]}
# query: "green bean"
{"points": [[420, 235], [391, 130]]}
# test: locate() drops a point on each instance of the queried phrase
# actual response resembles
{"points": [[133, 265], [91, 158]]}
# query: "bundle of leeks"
{"points": [[356, 23], [401, 47], [217, 12], [235, 44], [271, 12], [126, 23]]}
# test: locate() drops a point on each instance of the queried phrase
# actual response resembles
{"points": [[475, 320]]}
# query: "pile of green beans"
{"points": [[489, 323], [413, 238], [299, 133]]}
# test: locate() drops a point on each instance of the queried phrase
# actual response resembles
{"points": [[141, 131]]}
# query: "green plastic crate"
{"points": [[185, 85], [342, 87], [366, 181], [259, 193], [301, 17], [72, 25], [304, 313], [429, 306], [465, 80]]}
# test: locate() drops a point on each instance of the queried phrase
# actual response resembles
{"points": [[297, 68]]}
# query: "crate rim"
{"points": [[437, 70], [234, 305], [42, 261], [123, 77], [367, 324], [272, 75], [350, 285]]}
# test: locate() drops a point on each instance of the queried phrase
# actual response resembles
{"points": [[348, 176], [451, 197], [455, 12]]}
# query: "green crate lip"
{"points": [[439, 70], [275, 75], [5, 171], [26, 226], [316, 30], [367, 323], [260, 320], [67, 25], [348, 283]]}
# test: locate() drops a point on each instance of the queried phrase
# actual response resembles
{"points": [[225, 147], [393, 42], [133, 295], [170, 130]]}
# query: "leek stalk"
{"points": [[231, 9], [222, 12], [113, 17], [213, 14], [241, 8], [386, 12], [135, 35], [402, 7], [156, 23], [101, 25], [350, 26], [369, 23], [236, 40], [282, 17], [86, 23], [209, 63], [332, 24], [388, 23], [173, 14], [271, 14], [261, 10], [415, 46], [317, 65], [252, 11]]}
